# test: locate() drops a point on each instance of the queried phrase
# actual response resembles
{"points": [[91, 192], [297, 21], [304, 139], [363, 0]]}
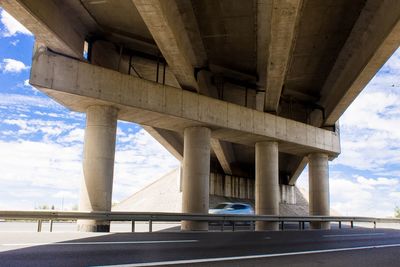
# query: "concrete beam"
{"points": [[300, 168], [374, 38], [77, 85], [225, 154], [276, 28], [50, 24], [167, 139], [167, 25]]}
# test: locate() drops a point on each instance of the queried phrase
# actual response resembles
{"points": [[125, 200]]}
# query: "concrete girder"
{"points": [[276, 32], [166, 24], [50, 25], [225, 154], [174, 28], [148, 103], [167, 139], [297, 172], [373, 39]]}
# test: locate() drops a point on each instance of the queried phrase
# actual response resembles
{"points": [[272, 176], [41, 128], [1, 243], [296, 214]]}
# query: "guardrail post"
{"points": [[340, 224], [51, 226], [233, 226], [303, 225], [374, 224], [282, 225], [150, 226], [133, 226], [222, 226], [351, 224], [39, 226], [252, 224]]}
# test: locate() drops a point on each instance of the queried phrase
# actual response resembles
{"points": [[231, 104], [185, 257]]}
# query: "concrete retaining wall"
{"points": [[243, 188]]}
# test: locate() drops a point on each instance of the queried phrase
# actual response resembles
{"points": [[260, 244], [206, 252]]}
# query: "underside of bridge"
{"points": [[247, 88]]}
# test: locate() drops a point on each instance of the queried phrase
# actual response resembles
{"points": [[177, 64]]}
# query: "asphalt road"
{"points": [[345, 247]]}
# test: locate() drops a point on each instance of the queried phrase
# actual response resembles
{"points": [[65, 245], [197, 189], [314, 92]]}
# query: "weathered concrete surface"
{"points": [[319, 188], [322, 53], [231, 186], [195, 176], [166, 24], [78, 85], [276, 34], [224, 153], [50, 24], [267, 184], [98, 165]]}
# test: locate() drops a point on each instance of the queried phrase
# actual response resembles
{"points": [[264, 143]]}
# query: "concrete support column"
{"points": [[98, 165], [318, 173], [267, 184], [195, 177]]}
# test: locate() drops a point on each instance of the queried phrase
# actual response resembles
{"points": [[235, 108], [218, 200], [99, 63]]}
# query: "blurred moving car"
{"points": [[232, 208]]}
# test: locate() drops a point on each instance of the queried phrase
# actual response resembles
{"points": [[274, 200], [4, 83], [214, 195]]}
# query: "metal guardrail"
{"points": [[150, 217]]}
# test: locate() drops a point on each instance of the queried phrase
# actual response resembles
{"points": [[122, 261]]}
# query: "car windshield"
{"points": [[221, 206]]}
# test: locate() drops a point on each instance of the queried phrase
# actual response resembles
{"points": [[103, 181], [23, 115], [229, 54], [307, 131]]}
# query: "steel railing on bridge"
{"points": [[151, 217]]}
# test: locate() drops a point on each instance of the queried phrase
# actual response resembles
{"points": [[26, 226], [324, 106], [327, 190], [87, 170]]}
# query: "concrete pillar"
{"points": [[196, 171], [98, 165], [318, 173], [267, 184]]}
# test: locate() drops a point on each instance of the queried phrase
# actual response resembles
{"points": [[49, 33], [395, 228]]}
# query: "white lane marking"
{"points": [[162, 263], [351, 235], [101, 243]]}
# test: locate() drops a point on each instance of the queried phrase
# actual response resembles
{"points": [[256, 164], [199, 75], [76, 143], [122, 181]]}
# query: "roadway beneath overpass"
{"points": [[345, 247]]}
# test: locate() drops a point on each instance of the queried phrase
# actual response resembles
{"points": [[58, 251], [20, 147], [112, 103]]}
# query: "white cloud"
{"points": [[364, 196], [28, 86], [75, 135], [360, 196], [15, 42], [47, 128], [369, 132], [49, 168], [13, 100], [11, 26], [371, 183], [139, 162], [65, 194], [38, 164], [10, 65]]}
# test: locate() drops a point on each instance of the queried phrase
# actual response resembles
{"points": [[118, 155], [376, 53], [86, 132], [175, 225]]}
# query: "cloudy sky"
{"points": [[41, 142]]}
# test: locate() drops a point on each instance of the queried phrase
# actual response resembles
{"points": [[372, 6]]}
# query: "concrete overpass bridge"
{"points": [[253, 89]]}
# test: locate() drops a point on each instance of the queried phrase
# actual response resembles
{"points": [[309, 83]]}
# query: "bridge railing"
{"points": [[151, 217]]}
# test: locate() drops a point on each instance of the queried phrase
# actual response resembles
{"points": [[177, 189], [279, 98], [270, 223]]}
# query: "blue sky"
{"points": [[41, 142]]}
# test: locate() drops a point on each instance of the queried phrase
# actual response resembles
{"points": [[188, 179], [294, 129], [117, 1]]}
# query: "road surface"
{"points": [[345, 247]]}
